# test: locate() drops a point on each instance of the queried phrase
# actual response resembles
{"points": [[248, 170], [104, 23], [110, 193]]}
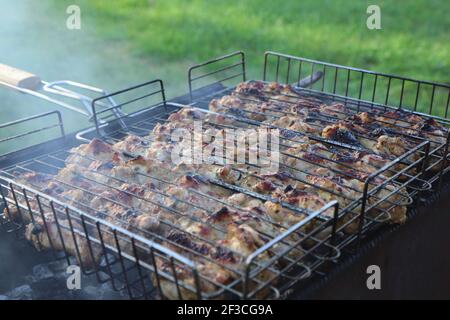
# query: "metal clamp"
{"points": [[28, 83]]}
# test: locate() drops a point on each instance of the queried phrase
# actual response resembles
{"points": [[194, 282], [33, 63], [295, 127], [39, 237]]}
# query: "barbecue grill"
{"points": [[150, 265]]}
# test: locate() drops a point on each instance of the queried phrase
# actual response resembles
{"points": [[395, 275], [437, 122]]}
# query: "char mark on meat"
{"points": [[185, 241]]}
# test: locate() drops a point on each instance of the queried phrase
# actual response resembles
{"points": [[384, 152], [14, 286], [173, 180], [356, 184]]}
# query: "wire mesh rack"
{"points": [[68, 200]]}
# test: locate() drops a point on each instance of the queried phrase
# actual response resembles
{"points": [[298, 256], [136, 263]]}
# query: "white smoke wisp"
{"points": [[35, 37]]}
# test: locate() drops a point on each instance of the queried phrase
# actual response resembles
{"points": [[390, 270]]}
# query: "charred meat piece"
{"points": [[340, 133]]}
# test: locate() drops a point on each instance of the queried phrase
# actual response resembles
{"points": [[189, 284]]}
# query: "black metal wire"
{"points": [[142, 266]]}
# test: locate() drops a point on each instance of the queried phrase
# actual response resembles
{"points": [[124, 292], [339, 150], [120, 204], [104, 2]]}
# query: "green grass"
{"points": [[124, 42], [414, 39]]}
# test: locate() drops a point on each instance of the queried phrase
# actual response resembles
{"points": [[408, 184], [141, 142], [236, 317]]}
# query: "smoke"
{"points": [[34, 37]]}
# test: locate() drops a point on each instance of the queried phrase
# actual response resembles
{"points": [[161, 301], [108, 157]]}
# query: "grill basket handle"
{"points": [[58, 92]]}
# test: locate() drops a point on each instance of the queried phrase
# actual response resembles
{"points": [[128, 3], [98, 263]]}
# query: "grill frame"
{"points": [[97, 129]]}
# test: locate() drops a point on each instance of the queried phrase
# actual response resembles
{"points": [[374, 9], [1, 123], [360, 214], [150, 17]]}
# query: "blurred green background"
{"points": [[125, 42]]}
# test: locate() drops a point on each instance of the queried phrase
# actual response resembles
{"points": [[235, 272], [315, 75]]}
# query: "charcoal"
{"points": [[23, 292], [58, 265], [42, 271]]}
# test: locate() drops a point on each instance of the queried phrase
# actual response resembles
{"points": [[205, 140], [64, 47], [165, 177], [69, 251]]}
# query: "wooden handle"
{"points": [[19, 78]]}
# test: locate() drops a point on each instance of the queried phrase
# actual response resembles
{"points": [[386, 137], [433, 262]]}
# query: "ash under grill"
{"points": [[93, 202]]}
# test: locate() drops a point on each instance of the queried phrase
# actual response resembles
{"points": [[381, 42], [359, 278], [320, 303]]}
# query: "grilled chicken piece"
{"points": [[47, 235], [144, 170], [263, 89], [232, 244], [370, 162], [42, 229], [132, 145], [295, 124], [300, 199], [401, 124], [341, 133], [400, 119], [95, 150], [334, 110], [212, 276], [275, 111], [210, 262], [395, 146], [305, 195], [283, 98], [37, 181], [234, 106], [132, 207], [429, 129]]}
